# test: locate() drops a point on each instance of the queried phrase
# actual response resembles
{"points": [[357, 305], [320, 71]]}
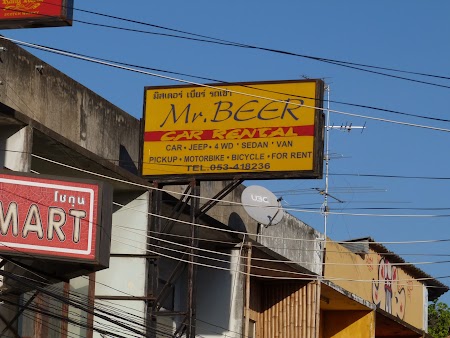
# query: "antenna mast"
{"points": [[327, 162], [325, 208]]}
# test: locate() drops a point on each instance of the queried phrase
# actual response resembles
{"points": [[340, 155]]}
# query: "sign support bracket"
{"points": [[17, 315], [191, 195], [219, 196]]}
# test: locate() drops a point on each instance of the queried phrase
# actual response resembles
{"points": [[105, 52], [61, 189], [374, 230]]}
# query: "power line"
{"points": [[114, 65], [215, 252], [304, 274], [45, 323], [248, 86], [270, 277], [311, 277], [102, 314], [352, 65], [277, 51], [43, 282], [243, 233], [109, 311], [95, 308], [148, 187], [443, 178], [297, 248]]}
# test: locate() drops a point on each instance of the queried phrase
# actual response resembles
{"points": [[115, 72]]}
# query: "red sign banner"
{"points": [[229, 134], [35, 13], [47, 217], [29, 8]]}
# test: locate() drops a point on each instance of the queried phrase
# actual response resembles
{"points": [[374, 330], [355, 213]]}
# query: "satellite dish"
{"points": [[262, 205]]}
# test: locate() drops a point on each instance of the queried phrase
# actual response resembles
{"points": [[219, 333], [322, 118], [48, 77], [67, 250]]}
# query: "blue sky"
{"points": [[405, 35]]}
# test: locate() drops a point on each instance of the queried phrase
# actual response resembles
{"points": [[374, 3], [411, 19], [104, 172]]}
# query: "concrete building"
{"points": [[180, 265], [393, 294]]}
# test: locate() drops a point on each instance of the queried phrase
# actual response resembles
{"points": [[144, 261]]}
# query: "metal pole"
{"points": [[247, 290], [154, 225], [327, 162], [192, 269]]}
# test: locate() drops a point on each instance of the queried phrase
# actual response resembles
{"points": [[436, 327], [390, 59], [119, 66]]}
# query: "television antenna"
{"points": [[325, 192]]}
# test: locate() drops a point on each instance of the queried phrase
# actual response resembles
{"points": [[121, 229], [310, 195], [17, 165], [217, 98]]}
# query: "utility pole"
{"points": [[325, 207]]}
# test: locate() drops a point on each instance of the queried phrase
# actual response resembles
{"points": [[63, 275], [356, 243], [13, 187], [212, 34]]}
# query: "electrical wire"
{"points": [[270, 277], [444, 277], [40, 282], [337, 63], [413, 177], [216, 252], [90, 59], [82, 303], [257, 245], [149, 187], [213, 40], [236, 203], [337, 102], [50, 314], [102, 314], [255, 88], [317, 210], [272, 236], [442, 178], [95, 308], [120, 316], [45, 323], [216, 259]]}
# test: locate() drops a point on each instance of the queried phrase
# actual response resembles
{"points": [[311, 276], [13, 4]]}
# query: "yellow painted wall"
{"points": [[373, 278], [344, 324]]}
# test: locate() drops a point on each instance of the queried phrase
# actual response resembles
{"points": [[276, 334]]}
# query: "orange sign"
{"points": [[35, 13], [264, 130]]}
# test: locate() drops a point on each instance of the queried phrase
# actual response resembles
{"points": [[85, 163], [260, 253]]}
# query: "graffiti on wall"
{"points": [[387, 292]]}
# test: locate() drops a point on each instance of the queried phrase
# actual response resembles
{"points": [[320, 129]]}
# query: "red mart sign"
{"points": [[55, 218]]}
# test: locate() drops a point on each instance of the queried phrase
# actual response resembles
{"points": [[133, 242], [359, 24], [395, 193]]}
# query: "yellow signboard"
{"points": [[247, 130]]}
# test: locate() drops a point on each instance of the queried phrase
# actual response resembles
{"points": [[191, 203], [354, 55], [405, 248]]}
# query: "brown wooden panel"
{"points": [[285, 310]]}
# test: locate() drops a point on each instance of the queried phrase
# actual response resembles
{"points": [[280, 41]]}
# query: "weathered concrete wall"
{"points": [[290, 238], [65, 106], [15, 147], [294, 240], [231, 214]]}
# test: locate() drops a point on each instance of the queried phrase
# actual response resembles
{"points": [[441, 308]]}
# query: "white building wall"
{"points": [[15, 154], [15, 148], [127, 274], [220, 297], [129, 228]]}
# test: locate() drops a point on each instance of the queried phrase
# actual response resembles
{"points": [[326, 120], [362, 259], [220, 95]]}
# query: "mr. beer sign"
{"points": [[55, 218], [246, 130]]}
